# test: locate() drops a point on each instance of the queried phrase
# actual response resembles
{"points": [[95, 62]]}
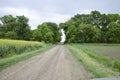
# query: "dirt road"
{"points": [[54, 64]]}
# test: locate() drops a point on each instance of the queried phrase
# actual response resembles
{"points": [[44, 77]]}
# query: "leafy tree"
{"points": [[11, 35], [114, 32], [47, 32], [9, 22], [71, 34], [22, 27], [91, 24], [88, 33], [18, 25]]}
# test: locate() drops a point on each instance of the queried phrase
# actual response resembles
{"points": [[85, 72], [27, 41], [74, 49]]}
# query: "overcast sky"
{"points": [[57, 11]]}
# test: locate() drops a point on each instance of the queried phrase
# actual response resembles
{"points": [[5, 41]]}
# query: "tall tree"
{"points": [[113, 32], [47, 32]]}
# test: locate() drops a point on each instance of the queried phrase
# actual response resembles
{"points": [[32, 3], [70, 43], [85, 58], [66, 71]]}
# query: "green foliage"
{"points": [[16, 26], [88, 33], [11, 47], [114, 32], [96, 64], [11, 35], [47, 32], [93, 27], [117, 65]]}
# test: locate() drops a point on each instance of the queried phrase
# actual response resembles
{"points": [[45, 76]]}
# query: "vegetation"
{"points": [[6, 62], [18, 28], [47, 32], [82, 28], [12, 47], [99, 65], [92, 28], [111, 50]]}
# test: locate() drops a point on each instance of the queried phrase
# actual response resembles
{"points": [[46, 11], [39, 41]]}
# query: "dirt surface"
{"points": [[54, 64], [112, 51]]}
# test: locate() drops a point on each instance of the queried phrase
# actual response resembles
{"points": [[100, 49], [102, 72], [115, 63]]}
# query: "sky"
{"points": [[39, 11]]}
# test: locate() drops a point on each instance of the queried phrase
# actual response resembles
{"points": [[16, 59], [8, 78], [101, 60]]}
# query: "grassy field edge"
{"points": [[7, 62], [91, 64]]}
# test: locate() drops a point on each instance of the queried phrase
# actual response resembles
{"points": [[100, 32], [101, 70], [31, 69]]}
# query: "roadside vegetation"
{"points": [[98, 65], [14, 51]]}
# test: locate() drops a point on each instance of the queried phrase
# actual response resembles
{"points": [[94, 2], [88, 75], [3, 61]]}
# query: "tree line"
{"points": [[93, 27], [18, 28], [82, 28]]}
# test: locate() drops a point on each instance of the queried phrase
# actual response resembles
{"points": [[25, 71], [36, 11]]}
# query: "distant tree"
{"points": [[11, 35], [22, 29], [88, 33], [37, 36], [18, 25], [9, 22], [113, 32], [47, 32], [71, 34], [93, 23]]}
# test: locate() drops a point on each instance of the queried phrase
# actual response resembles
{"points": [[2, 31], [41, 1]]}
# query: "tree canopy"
{"points": [[82, 28], [93, 27], [48, 32]]}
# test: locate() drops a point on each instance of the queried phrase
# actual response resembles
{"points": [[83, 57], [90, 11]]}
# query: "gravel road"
{"points": [[54, 64]]}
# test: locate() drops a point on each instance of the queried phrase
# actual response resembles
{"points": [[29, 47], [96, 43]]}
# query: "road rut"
{"points": [[54, 64]]}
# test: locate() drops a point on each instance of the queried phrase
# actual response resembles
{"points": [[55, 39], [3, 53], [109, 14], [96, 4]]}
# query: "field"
{"points": [[13, 47], [99, 65], [111, 50]]}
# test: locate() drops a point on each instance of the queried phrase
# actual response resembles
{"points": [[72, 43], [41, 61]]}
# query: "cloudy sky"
{"points": [[57, 11]]}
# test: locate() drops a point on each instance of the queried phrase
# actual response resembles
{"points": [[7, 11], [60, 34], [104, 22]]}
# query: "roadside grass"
{"points": [[98, 65], [8, 61], [101, 44], [108, 55]]}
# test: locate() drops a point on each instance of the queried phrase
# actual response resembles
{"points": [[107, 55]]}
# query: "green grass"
{"points": [[98, 65], [101, 44], [6, 62], [12, 47]]}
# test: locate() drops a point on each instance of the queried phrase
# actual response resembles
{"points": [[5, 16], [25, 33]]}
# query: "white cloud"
{"points": [[35, 17], [86, 11]]}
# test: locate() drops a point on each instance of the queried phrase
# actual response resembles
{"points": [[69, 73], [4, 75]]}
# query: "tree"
{"points": [[71, 34], [11, 35], [22, 28], [88, 33], [37, 36], [9, 22], [18, 25], [47, 32], [113, 32]]}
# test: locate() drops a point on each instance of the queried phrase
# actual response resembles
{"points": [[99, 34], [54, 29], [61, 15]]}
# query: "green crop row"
{"points": [[12, 47]]}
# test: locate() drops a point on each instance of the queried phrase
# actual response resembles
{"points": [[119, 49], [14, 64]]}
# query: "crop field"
{"points": [[14, 51], [99, 65], [12, 47], [113, 51]]}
